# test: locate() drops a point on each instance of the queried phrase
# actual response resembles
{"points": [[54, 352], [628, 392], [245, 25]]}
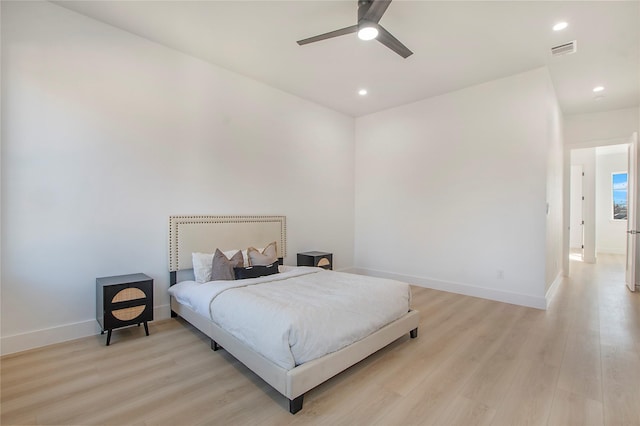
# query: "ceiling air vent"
{"points": [[565, 48]]}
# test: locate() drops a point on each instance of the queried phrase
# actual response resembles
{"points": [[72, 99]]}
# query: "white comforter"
{"points": [[300, 314]]}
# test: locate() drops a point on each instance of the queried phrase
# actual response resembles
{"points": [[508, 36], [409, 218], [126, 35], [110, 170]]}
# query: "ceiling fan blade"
{"points": [[393, 43], [336, 33], [375, 11]]}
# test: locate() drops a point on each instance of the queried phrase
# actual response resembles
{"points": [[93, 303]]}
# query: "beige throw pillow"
{"points": [[222, 268], [268, 256]]}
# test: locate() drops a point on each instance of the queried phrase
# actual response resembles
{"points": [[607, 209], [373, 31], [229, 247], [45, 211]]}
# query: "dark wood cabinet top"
{"points": [[122, 279], [315, 253]]}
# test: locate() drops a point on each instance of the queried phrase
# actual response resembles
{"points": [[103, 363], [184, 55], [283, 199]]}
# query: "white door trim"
{"points": [[632, 204]]}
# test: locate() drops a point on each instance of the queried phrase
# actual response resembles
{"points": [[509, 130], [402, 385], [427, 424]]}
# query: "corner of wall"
{"points": [[461, 288], [1, 197], [553, 288], [555, 217]]}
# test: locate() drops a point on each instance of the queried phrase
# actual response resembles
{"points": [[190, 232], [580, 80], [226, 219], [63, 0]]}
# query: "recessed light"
{"points": [[560, 26], [598, 89], [362, 92]]}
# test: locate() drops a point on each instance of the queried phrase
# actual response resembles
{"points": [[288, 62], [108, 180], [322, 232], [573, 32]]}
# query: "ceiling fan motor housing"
{"points": [[363, 6]]}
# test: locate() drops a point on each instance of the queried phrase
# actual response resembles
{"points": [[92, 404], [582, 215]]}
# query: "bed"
{"points": [[212, 307]]}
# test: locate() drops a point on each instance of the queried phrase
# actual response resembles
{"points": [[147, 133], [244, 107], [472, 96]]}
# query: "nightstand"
{"points": [[124, 300], [316, 258]]}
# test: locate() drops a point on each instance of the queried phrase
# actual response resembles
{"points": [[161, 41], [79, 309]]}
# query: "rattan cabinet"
{"points": [[316, 258], [124, 300]]}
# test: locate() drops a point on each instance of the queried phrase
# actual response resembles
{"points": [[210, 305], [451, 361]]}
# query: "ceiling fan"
{"points": [[369, 14]]}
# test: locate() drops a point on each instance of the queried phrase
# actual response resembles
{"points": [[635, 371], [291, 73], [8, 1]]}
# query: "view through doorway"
{"points": [[598, 202]]}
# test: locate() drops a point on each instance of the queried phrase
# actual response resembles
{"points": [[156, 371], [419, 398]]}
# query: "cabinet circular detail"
{"points": [[324, 262], [130, 293], [127, 314]]}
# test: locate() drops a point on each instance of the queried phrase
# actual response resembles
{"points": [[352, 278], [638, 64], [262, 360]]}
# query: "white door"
{"points": [[632, 232], [576, 233]]}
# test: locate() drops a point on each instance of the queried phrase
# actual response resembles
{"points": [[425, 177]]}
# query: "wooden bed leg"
{"points": [[214, 345], [414, 333], [295, 404]]}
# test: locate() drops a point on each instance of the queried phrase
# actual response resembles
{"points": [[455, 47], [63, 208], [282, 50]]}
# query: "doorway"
{"points": [[595, 225]]}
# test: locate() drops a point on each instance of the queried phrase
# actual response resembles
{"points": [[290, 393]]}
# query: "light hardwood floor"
{"points": [[475, 362]]}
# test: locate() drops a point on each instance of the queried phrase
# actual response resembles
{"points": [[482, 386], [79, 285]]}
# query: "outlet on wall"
{"points": [[500, 274]]}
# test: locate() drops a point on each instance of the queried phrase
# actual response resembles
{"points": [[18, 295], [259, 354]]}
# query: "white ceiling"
{"points": [[612, 149], [455, 44]]}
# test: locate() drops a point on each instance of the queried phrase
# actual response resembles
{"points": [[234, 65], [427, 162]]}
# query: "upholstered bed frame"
{"points": [[189, 234]]}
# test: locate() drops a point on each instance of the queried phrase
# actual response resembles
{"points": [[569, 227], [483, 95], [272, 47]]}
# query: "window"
{"points": [[619, 192]]}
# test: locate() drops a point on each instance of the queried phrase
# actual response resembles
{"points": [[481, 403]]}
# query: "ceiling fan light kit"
{"points": [[367, 32], [368, 28]]}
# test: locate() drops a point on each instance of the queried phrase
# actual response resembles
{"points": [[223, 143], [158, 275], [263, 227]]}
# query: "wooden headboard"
{"points": [[192, 234]]}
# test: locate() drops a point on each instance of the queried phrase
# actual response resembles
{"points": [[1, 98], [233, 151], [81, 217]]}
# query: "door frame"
{"points": [[632, 212], [566, 249], [578, 175]]}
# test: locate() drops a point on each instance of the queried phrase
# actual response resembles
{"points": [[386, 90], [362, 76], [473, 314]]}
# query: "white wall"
{"points": [[451, 191], [600, 126], [107, 134], [554, 222], [611, 234], [1, 197]]}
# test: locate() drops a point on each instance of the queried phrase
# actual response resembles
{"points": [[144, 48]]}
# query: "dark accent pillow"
{"points": [[222, 268], [255, 271]]}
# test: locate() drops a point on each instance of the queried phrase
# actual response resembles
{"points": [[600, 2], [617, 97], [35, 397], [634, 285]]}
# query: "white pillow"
{"points": [[202, 263], [202, 266]]}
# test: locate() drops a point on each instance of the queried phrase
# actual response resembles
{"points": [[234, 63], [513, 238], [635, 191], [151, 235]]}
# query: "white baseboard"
{"points": [[63, 333], [553, 288], [460, 288], [612, 250], [161, 312]]}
